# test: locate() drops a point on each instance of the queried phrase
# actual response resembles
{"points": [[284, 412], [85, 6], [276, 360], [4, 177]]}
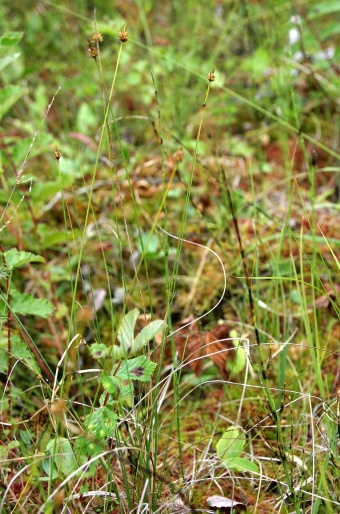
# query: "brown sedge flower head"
{"points": [[123, 35], [58, 407], [211, 75], [56, 154], [97, 37], [92, 50]]}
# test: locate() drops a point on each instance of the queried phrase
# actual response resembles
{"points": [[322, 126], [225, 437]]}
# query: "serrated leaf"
{"points": [[25, 304], [126, 332], [9, 95], [231, 444], [126, 392], [4, 272], [99, 350], [10, 38], [117, 353], [102, 423], [15, 258], [139, 368], [147, 333], [20, 351]]}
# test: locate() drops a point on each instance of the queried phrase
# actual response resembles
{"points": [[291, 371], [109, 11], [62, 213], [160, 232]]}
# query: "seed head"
{"points": [[56, 154], [58, 407], [97, 37], [123, 35], [211, 75], [92, 52]]}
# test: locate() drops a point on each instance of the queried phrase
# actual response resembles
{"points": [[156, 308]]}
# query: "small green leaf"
{"points": [[117, 353], [126, 332], [231, 444], [4, 449], [295, 296], [242, 464], [4, 272], [50, 470], [331, 29], [8, 59], [111, 384], [3, 452], [63, 455], [99, 350], [25, 304], [20, 351], [9, 95], [86, 119], [102, 423], [50, 237], [240, 357], [149, 244], [322, 8], [147, 333], [85, 448], [10, 38], [19, 152], [140, 368], [43, 191], [13, 444], [15, 258], [126, 392], [229, 448], [26, 436]]}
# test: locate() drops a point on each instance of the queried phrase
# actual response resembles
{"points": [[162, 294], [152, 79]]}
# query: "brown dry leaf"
{"points": [[189, 345], [192, 345], [219, 351]]}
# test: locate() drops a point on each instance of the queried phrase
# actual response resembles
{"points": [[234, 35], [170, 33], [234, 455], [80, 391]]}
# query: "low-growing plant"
{"points": [[229, 448]]}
